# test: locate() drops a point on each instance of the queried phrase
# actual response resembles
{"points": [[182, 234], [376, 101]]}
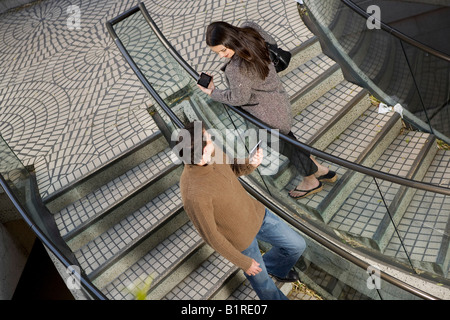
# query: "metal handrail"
{"points": [[297, 224], [355, 74], [345, 163], [313, 234], [134, 66], [84, 281]]}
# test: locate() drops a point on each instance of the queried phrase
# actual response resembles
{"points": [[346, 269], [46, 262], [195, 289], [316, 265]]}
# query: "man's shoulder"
{"points": [[193, 184]]}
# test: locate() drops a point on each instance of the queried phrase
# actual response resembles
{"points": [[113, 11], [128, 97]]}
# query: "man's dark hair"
{"points": [[190, 139]]}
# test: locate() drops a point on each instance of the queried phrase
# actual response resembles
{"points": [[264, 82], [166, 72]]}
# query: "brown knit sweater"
{"points": [[224, 214], [265, 99]]}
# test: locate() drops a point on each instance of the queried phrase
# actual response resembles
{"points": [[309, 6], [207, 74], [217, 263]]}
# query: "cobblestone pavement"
{"points": [[69, 103]]}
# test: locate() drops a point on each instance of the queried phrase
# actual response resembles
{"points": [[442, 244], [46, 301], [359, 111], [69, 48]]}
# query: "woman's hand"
{"points": [[257, 159], [254, 269], [210, 88]]}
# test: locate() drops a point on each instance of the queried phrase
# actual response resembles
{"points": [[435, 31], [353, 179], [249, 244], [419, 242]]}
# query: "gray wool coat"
{"points": [[264, 99]]}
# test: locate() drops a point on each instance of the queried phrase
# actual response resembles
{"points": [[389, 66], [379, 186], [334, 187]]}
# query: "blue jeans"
{"points": [[287, 247]]}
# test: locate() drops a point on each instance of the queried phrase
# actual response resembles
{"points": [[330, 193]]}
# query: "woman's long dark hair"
{"points": [[246, 42]]}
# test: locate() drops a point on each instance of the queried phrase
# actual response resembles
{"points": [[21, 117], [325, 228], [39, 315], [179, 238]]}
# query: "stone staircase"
{"points": [[354, 207], [130, 224]]}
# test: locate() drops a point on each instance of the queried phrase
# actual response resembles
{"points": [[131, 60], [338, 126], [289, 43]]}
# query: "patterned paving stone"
{"points": [[32, 34], [30, 118], [69, 102]]}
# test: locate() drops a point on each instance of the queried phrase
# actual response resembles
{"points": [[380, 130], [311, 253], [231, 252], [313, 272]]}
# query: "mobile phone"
{"points": [[204, 80], [254, 149]]}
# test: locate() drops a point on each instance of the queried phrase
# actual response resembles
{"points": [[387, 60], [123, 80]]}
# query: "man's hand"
{"points": [[254, 269], [257, 158]]}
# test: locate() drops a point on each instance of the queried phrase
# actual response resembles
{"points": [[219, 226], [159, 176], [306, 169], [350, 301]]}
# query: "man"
{"points": [[229, 219]]}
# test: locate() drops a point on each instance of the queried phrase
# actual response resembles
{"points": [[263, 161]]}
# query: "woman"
{"points": [[253, 84]]}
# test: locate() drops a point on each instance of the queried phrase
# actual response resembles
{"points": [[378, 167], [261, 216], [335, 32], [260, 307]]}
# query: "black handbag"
{"points": [[279, 57]]}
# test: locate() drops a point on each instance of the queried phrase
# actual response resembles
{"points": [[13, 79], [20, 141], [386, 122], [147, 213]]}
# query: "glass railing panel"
{"points": [[421, 237], [354, 208], [355, 215], [331, 276], [391, 69], [431, 76], [334, 278], [398, 72], [22, 188], [14, 172], [164, 74], [277, 175], [365, 50], [21, 184]]}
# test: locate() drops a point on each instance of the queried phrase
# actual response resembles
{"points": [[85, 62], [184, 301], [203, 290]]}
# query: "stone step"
{"points": [[79, 215], [158, 263], [301, 54], [244, 292], [324, 119], [425, 223], [363, 215], [362, 142], [311, 80], [104, 250], [203, 282], [98, 174]]}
